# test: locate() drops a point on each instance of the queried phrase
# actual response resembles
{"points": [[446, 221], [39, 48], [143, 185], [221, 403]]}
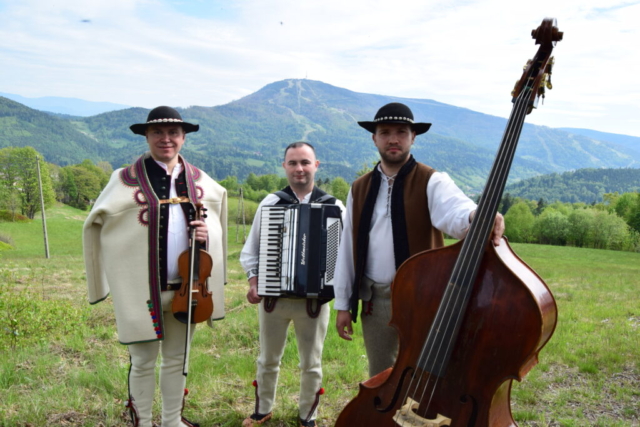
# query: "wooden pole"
{"points": [[44, 219], [240, 213]]}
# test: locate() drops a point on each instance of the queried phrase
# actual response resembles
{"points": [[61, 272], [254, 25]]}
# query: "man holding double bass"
{"points": [[400, 208], [133, 237]]}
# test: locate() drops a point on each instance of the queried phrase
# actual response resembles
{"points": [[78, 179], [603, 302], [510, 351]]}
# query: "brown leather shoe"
{"points": [[256, 419]]}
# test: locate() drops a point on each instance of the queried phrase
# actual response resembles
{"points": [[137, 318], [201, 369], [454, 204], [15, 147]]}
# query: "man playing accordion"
{"points": [[309, 316]]}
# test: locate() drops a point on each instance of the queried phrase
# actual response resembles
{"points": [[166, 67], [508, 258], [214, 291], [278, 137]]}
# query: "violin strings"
{"points": [[476, 240]]}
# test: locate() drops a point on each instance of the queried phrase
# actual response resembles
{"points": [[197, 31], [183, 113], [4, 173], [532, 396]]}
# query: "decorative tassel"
{"points": [[315, 404], [183, 419], [133, 411]]}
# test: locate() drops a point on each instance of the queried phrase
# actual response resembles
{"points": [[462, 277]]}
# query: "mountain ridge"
{"points": [[64, 105], [250, 134]]}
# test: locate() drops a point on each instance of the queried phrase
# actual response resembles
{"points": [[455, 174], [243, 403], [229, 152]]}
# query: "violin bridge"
{"points": [[405, 416]]}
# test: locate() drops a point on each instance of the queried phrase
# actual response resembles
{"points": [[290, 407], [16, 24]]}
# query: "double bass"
{"points": [[471, 317]]}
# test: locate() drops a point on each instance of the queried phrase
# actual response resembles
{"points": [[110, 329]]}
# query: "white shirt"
{"points": [[449, 210], [178, 232], [251, 250]]}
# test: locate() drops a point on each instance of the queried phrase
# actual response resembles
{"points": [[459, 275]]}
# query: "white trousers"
{"points": [[310, 335], [142, 379]]}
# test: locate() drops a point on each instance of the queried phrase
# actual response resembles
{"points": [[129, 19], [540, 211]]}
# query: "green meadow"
{"points": [[61, 364]]}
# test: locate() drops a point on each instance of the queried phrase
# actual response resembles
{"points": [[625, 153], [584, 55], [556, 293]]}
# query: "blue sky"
{"points": [[201, 52]]}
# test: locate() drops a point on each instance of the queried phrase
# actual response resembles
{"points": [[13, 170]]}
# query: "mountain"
{"points": [[250, 134], [68, 106], [630, 142], [583, 185], [57, 139]]}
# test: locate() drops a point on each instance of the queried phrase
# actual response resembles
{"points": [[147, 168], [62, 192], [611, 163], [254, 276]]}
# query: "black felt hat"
{"points": [[395, 112], [163, 116]]}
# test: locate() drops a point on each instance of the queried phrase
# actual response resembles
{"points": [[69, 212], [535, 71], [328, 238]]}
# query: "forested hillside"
{"points": [[249, 135], [57, 139], [583, 185]]}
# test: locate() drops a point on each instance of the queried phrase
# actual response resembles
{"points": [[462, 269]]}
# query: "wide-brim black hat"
{"points": [[395, 112], [163, 116]]}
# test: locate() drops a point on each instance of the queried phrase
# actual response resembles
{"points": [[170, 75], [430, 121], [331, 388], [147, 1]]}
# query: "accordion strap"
{"points": [[318, 196], [286, 197], [311, 311], [327, 198]]}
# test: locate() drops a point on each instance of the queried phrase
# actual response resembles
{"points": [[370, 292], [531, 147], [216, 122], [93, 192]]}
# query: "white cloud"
{"points": [[463, 52]]}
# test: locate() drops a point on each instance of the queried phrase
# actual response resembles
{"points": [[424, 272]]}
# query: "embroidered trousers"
{"points": [[310, 335], [142, 380]]}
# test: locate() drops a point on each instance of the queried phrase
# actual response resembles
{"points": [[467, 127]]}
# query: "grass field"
{"points": [[61, 365]]}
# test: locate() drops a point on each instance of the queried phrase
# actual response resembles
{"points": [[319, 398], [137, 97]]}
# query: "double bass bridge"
{"points": [[406, 417]]}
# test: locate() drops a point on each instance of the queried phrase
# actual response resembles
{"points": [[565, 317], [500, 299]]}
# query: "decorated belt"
{"points": [[175, 200]]}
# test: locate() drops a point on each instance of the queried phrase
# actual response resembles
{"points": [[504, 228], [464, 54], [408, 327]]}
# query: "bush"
{"points": [[10, 217], [6, 239], [26, 318]]}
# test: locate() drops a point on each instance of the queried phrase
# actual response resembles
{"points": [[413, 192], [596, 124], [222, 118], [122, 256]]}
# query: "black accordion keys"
{"points": [[298, 250]]}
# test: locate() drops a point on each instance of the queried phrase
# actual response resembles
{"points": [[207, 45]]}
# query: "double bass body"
{"points": [[510, 316]]}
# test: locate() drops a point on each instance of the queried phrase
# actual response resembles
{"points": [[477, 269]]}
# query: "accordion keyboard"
{"points": [[277, 247]]}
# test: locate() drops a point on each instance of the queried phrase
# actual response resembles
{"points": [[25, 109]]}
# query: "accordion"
{"points": [[298, 250]]}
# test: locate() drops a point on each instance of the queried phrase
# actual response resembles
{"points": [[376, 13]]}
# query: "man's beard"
{"points": [[394, 160]]}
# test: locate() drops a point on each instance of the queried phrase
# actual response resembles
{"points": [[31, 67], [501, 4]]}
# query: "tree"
{"points": [[634, 216], [230, 183], [581, 227], [269, 183], [551, 227], [627, 206], [20, 174], [252, 182], [81, 184], [610, 231], [102, 176], [540, 208], [88, 185], [340, 189], [106, 167], [10, 200], [366, 168], [506, 203], [519, 222], [67, 186]]}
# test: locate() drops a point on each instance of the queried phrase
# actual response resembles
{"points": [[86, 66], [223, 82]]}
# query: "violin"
{"points": [[192, 303], [471, 317]]}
